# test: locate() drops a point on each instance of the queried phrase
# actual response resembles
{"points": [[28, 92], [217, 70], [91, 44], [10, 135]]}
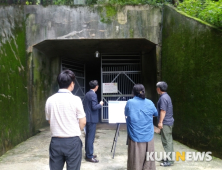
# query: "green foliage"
{"points": [[63, 2], [107, 13], [207, 10], [90, 2], [110, 11], [131, 33], [131, 2], [16, 2]]}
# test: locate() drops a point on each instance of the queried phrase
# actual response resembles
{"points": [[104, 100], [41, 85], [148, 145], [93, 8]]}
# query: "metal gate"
{"points": [[79, 70], [123, 70]]}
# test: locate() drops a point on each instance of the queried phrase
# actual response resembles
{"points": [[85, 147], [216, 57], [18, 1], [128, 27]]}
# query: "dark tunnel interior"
{"points": [[83, 52]]}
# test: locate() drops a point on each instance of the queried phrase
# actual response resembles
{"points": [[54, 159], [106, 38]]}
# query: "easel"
{"points": [[115, 139]]}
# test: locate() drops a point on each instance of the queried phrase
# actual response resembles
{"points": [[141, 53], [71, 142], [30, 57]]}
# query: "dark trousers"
{"points": [[89, 139], [67, 150]]}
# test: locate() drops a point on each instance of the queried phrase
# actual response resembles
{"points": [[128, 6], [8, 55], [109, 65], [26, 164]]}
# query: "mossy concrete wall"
{"points": [[43, 75], [14, 112], [191, 58], [191, 65], [64, 22], [28, 76], [41, 88]]}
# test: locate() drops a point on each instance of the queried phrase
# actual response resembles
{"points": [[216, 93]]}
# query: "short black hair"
{"points": [[162, 85], [65, 78], [139, 90], [93, 84]]}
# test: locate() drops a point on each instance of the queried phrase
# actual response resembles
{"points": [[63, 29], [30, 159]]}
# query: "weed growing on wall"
{"points": [[107, 13]]}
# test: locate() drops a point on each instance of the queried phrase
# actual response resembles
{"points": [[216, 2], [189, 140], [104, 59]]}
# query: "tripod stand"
{"points": [[115, 139]]}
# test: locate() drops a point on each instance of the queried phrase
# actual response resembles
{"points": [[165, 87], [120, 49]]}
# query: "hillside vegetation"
{"points": [[206, 10]]}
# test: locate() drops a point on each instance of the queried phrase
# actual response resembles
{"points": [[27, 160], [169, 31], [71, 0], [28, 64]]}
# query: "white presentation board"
{"points": [[116, 111], [110, 88]]}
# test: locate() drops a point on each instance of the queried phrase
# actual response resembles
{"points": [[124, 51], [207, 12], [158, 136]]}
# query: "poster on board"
{"points": [[110, 88], [116, 111]]}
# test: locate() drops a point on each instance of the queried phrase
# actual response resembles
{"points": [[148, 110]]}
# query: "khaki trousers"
{"points": [[167, 139]]}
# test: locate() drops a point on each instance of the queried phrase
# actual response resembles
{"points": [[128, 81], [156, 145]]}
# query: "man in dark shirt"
{"points": [[91, 107], [166, 120]]}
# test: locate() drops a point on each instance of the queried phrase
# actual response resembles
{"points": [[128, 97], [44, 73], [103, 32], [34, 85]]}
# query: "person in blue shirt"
{"points": [[139, 113]]}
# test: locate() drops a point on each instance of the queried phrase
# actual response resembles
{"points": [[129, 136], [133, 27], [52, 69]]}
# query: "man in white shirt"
{"points": [[64, 111]]}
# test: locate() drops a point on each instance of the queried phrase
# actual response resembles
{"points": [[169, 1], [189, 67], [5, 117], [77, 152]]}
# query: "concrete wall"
{"points": [[191, 65], [43, 83], [55, 67], [149, 72], [63, 22], [150, 76], [14, 113], [40, 88], [28, 76]]}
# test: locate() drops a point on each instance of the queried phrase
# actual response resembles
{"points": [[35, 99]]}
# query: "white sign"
{"points": [[116, 111], [110, 88]]}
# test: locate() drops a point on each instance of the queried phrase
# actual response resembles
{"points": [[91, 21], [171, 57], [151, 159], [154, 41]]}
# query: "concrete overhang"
{"points": [[84, 49]]}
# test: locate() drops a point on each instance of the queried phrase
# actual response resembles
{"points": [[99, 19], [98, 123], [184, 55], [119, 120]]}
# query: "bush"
{"points": [[207, 10]]}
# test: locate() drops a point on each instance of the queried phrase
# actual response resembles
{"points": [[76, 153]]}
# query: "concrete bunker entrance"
{"points": [[122, 61]]}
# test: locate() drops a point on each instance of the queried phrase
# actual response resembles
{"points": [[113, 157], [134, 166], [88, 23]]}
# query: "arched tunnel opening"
{"points": [[117, 64]]}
